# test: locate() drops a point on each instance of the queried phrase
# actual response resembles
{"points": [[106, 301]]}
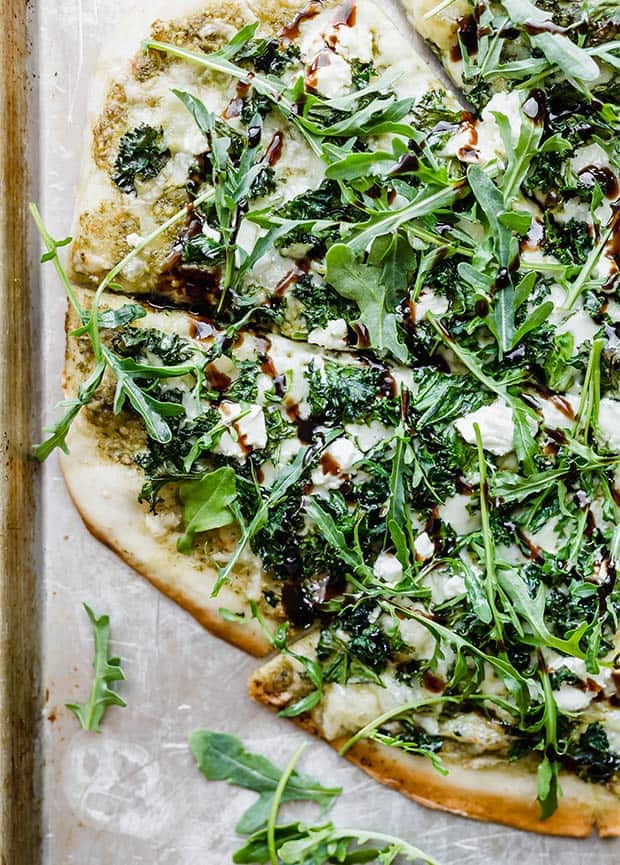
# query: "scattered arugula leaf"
{"points": [[107, 670]]}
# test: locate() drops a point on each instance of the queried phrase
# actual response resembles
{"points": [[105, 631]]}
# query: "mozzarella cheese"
{"points": [[333, 335], [388, 568], [609, 423], [496, 427]]}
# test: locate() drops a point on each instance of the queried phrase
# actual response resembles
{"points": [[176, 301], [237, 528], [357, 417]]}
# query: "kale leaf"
{"points": [[140, 155]]}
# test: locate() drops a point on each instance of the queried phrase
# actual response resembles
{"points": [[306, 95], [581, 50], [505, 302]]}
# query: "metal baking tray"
{"points": [[131, 794]]}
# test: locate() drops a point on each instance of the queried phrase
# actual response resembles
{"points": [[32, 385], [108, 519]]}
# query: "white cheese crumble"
{"points": [[388, 568], [496, 427], [609, 423], [443, 586], [430, 302], [418, 637], [489, 136], [250, 432], [580, 326], [424, 546], [557, 413], [330, 75], [336, 461], [134, 239], [455, 513], [333, 335], [366, 436], [482, 142]]}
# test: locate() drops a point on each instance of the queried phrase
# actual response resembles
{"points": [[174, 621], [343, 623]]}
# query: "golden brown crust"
{"points": [[504, 793], [240, 635]]}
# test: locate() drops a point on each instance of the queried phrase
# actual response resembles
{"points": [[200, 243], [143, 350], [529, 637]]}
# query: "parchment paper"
{"points": [[131, 795]]}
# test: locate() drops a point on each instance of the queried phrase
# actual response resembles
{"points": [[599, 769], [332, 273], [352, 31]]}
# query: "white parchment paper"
{"points": [[131, 795]]}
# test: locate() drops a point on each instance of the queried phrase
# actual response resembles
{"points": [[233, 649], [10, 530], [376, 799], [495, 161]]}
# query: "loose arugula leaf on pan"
{"points": [[107, 670], [222, 757]]}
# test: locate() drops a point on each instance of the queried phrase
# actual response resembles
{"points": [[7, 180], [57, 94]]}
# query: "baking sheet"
{"points": [[131, 795]]}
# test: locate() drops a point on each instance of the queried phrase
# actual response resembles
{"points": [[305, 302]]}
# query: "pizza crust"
{"points": [[503, 793], [114, 516], [104, 484]]}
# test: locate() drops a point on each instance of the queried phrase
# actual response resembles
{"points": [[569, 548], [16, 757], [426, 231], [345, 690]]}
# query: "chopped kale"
{"points": [[244, 388], [264, 183], [592, 758], [415, 735], [570, 242], [343, 394], [140, 155], [322, 303], [324, 202], [135, 342], [162, 462], [360, 657], [268, 55], [361, 73], [409, 672], [562, 676]]}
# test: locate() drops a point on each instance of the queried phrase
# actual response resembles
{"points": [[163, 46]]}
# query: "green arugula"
{"points": [[107, 670], [206, 504], [364, 284], [222, 757]]}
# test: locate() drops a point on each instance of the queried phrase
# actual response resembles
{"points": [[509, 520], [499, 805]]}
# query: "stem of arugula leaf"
{"points": [[585, 272], [587, 413], [277, 799], [52, 249], [392, 713]]}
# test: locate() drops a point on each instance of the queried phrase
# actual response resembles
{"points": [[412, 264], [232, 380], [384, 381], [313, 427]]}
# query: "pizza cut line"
{"points": [[342, 375]]}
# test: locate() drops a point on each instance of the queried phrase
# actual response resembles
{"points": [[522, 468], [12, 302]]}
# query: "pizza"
{"points": [[342, 375]]}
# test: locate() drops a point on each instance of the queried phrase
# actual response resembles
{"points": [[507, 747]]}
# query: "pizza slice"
{"points": [[407, 731], [191, 452]]}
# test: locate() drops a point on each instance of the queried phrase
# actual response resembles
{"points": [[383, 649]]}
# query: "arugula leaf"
{"points": [[152, 410], [532, 611], [363, 283], [222, 757], [557, 48], [206, 504], [492, 203], [335, 538], [60, 430], [548, 787], [398, 519], [107, 670]]}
